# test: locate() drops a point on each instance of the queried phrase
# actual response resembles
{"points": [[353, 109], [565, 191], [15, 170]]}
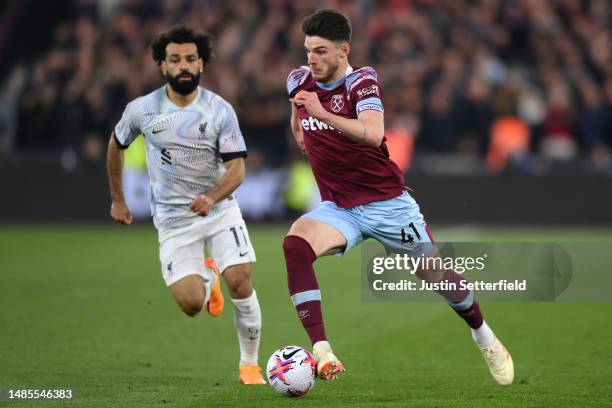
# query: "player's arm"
{"points": [[297, 130], [233, 177], [114, 168], [232, 150], [367, 129]]}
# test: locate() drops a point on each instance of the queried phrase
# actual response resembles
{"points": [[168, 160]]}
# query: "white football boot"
{"points": [[328, 365], [500, 362]]}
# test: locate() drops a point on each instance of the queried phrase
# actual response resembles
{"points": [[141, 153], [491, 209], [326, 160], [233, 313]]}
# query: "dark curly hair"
{"points": [[328, 24], [182, 34]]}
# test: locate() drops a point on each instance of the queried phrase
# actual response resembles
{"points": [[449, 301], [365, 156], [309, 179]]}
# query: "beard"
{"points": [[327, 75], [181, 86]]}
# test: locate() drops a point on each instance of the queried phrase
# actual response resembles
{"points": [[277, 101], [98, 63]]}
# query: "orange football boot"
{"points": [[250, 374], [214, 307]]}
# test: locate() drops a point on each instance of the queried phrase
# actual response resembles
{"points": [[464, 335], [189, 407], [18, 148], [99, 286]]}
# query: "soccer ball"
{"points": [[291, 371]]}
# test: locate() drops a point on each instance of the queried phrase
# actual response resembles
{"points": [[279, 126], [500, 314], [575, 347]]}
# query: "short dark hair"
{"points": [[182, 34], [328, 24]]}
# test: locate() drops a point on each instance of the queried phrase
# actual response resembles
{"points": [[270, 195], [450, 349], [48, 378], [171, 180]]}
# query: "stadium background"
{"points": [[499, 111]]}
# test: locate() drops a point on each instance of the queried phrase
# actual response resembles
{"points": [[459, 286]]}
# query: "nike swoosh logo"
{"points": [[241, 254], [156, 131], [288, 356]]}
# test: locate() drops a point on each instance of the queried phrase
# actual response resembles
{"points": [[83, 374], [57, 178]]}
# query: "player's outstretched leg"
{"points": [[464, 303], [247, 318], [214, 306], [306, 297]]}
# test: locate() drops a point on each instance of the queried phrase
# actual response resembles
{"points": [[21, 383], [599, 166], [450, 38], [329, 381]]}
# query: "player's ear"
{"points": [[343, 49], [201, 65], [164, 67], [346, 48]]}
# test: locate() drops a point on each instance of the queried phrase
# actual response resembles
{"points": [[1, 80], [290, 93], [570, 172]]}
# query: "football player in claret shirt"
{"points": [[337, 118]]}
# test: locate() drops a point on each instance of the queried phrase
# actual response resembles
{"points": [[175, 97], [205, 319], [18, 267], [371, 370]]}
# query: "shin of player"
{"points": [[306, 241]]}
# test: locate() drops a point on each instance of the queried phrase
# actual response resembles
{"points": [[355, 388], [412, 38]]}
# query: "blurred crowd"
{"points": [[504, 81]]}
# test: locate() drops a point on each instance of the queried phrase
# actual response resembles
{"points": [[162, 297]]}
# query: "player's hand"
{"points": [[202, 205], [310, 100], [121, 212]]}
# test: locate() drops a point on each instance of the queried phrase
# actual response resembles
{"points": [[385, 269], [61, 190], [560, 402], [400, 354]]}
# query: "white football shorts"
{"points": [[224, 236]]}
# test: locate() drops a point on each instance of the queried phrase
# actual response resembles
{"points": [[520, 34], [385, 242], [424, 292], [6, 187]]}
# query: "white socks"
{"points": [[247, 316], [321, 346], [483, 336]]}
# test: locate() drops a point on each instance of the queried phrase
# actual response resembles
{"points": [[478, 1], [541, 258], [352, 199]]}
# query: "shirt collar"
{"points": [[337, 82]]}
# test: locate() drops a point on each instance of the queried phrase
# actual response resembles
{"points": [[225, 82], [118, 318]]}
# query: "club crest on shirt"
{"points": [[337, 103]]}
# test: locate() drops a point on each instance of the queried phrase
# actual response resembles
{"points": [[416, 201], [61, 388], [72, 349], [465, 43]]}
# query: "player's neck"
{"points": [[178, 99]]}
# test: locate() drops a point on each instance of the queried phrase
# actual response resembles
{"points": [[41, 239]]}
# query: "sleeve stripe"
{"points": [[369, 104], [234, 155], [360, 75], [296, 78], [357, 82], [371, 107], [121, 145]]}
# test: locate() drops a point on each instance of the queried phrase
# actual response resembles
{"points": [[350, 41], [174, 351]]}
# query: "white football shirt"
{"points": [[186, 149]]}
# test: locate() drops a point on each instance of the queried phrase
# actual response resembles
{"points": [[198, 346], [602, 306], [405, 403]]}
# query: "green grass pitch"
{"points": [[86, 308]]}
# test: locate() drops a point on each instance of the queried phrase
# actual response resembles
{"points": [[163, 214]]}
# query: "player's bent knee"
{"points": [[241, 290], [189, 294], [191, 307], [433, 274], [238, 280], [320, 238], [191, 303], [303, 228]]}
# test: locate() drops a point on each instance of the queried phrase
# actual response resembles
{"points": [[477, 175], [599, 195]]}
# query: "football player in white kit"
{"points": [[196, 159]]}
